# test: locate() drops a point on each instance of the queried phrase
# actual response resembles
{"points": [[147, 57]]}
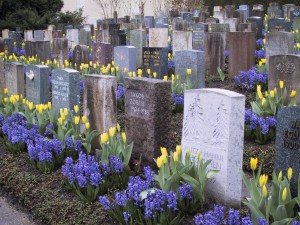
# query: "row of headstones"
{"points": [[213, 118]]}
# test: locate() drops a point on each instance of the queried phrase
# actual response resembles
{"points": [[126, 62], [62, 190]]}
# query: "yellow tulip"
{"points": [[112, 70], [83, 118], [37, 107], [148, 71], [112, 131], [263, 60], [290, 173], [112, 63], [60, 121], [154, 74], [125, 70], [272, 94], [76, 120], [163, 151], [175, 157], [165, 78], [5, 99], [284, 194], [260, 63], [258, 88], [104, 138], [117, 69], [293, 93], [24, 101], [266, 94], [263, 101], [164, 159], [30, 105], [264, 191], [280, 176], [5, 90], [259, 94], [263, 179], [49, 105], [124, 137], [140, 72], [87, 125], [189, 71], [63, 116], [133, 74], [253, 163], [281, 84], [130, 74], [118, 127], [199, 156], [178, 149], [40, 110], [159, 162], [66, 111], [76, 108]]}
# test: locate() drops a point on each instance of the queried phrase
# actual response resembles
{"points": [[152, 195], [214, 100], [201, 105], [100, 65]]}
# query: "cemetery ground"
{"points": [[46, 199]]}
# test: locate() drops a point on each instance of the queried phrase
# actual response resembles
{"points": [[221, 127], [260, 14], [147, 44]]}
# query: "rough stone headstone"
{"points": [[28, 35], [65, 89], [14, 78], [37, 84], [125, 57], [85, 36], [147, 116], [38, 35], [73, 37], [279, 25], [100, 102], [285, 68], [182, 40], [138, 39], [102, 53], [158, 37], [98, 36], [80, 55], [214, 125], [242, 46], [155, 59], [215, 43], [194, 60], [9, 46], [60, 50], [42, 50], [287, 144], [199, 31], [279, 43]]}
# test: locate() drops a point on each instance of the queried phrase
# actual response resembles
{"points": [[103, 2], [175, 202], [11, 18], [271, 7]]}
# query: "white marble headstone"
{"points": [[73, 37], [214, 125], [182, 40], [158, 37]]}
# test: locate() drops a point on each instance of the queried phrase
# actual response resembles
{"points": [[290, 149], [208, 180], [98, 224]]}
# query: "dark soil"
{"points": [[46, 199]]}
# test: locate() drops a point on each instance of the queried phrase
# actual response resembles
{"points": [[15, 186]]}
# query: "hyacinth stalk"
{"points": [[277, 205]]}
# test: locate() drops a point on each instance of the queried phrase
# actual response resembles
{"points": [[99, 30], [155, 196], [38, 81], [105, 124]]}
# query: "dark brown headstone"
{"points": [[147, 116], [102, 53], [242, 47], [60, 50], [80, 55]]}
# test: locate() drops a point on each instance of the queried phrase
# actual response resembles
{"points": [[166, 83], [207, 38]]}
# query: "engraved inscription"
{"points": [[138, 104], [286, 67], [291, 136], [60, 89]]}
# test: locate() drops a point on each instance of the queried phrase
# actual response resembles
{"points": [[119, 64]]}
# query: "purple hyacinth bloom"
{"points": [[105, 203], [116, 164], [126, 216], [233, 217], [120, 92], [69, 142], [247, 220], [81, 86], [226, 53], [185, 191], [262, 221], [260, 43], [260, 54], [296, 223]]}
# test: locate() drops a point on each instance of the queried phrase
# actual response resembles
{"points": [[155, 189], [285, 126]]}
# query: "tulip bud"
{"points": [[154, 74], [253, 163], [165, 78], [163, 151], [272, 94], [76, 108], [124, 137], [87, 126], [5, 99], [281, 84], [175, 157], [5, 90], [60, 121], [264, 191], [76, 120], [259, 94], [178, 149], [83, 118], [118, 127], [189, 71], [290, 173], [66, 111], [112, 131], [280, 176], [159, 162], [104, 137], [293, 93], [284, 194]]}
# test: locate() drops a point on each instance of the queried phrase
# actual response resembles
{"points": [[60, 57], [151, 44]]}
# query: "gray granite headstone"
{"points": [[158, 37], [38, 35], [43, 50], [28, 35], [85, 36], [17, 39], [155, 59], [245, 8], [60, 50], [5, 33], [73, 37], [149, 21], [229, 10], [80, 55], [15, 79], [213, 123], [182, 40], [296, 23], [147, 116], [274, 12], [279, 25], [287, 144], [259, 24], [199, 31], [125, 57], [37, 84], [286, 68], [9, 46], [65, 89], [138, 39]]}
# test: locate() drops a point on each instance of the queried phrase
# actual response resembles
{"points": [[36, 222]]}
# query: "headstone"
{"points": [[37, 84], [28, 35], [178, 24], [9, 46], [2, 45], [245, 8], [229, 10], [38, 35], [48, 35], [285, 68], [98, 36], [14, 78], [182, 40], [258, 13], [60, 50], [158, 37], [80, 55], [85, 37], [16, 39], [296, 23], [51, 27], [218, 27], [295, 13], [5, 33], [214, 43], [242, 46], [118, 37], [239, 14], [73, 37], [274, 12], [194, 60], [147, 116], [42, 50], [233, 22], [57, 34], [100, 101], [211, 20], [138, 39], [199, 31], [221, 15], [258, 6], [286, 10], [279, 25], [2, 74], [65, 89], [287, 144], [214, 125], [259, 25], [155, 59], [149, 21], [125, 57], [185, 16], [102, 53], [30, 48], [279, 43], [247, 27]]}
